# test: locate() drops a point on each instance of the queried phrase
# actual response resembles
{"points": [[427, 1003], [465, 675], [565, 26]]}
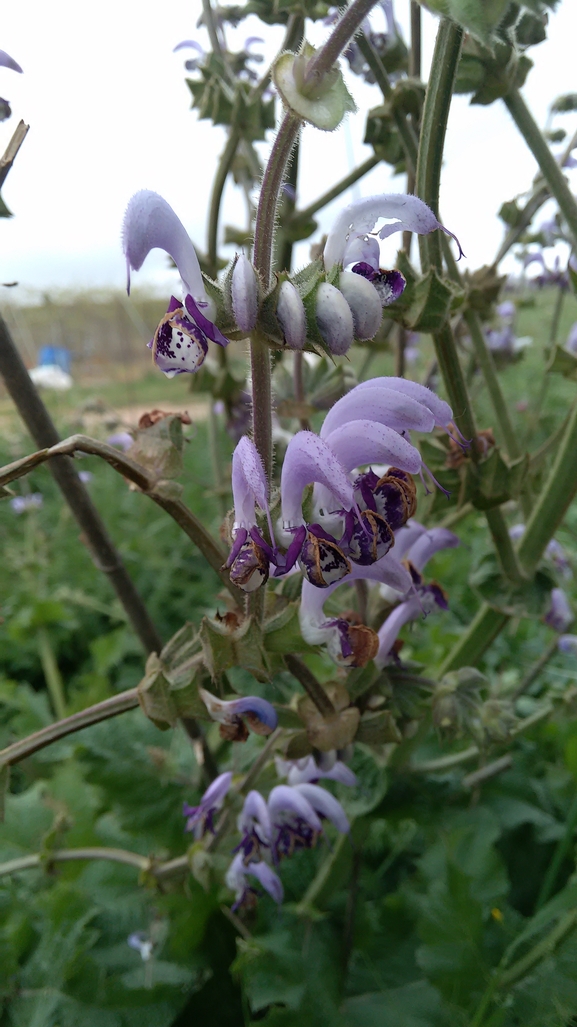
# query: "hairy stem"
{"points": [[349, 23], [504, 546], [61, 728], [484, 628], [52, 673], [312, 687], [131, 859], [148, 485], [550, 169], [223, 168], [102, 550]]}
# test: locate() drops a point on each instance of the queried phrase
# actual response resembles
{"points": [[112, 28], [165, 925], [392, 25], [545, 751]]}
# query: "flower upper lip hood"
{"points": [[359, 218], [150, 223], [6, 61]]}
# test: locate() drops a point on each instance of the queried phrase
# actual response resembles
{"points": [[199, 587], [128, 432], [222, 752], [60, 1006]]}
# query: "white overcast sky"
{"points": [[109, 112]]}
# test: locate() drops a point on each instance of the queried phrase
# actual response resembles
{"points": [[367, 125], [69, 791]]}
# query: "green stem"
{"points": [[415, 51], [223, 168], [454, 759], [562, 849], [550, 169], [552, 504], [20, 750], [211, 28], [537, 667], [428, 180], [534, 203], [312, 687], [489, 372], [215, 460], [331, 194], [539, 951], [405, 129], [484, 628], [51, 673], [504, 546], [131, 859], [345, 28]]}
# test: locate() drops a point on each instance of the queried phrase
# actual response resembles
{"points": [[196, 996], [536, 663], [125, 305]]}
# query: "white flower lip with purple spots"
{"points": [[180, 341], [359, 218]]}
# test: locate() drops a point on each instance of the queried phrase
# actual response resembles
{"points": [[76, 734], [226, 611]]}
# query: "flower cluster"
{"points": [[351, 309], [355, 518], [273, 829]]}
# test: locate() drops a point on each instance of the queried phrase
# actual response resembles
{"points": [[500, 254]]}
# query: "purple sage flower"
{"points": [[236, 880], [259, 715], [121, 439], [567, 644], [200, 819], [250, 556], [255, 827], [6, 61], [560, 616], [180, 342], [143, 945], [21, 504], [359, 218], [307, 771]]}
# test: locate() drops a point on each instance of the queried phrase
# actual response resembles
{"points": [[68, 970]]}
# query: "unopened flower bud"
{"points": [[291, 316], [334, 319], [365, 304], [244, 291]]}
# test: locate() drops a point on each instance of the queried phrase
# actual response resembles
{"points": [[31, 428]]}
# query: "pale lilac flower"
{"points": [[193, 62], [180, 342], [250, 556], [567, 644], [295, 817], [254, 825], [308, 771], [143, 945], [560, 616], [85, 476], [236, 880], [121, 439], [360, 217], [6, 61], [325, 805], [200, 819], [20, 504], [260, 715]]}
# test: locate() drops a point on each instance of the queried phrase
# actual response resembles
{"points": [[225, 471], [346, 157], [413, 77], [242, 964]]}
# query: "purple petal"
{"points": [[325, 804], [409, 610], [258, 708], [188, 44], [560, 616], [363, 249], [270, 881], [406, 536], [440, 410], [216, 791], [208, 327], [386, 406], [430, 543], [255, 811], [244, 294], [150, 223], [567, 644], [365, 442], [284, 799], [360, 217], [309, 459], [249, 484], [6, 61]]}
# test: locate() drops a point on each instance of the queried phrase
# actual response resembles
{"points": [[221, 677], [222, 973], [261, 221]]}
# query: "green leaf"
{"points": [[527, 600], [154, 695], [324, 105], [413, 1005], [494, 481], [562, 361]]}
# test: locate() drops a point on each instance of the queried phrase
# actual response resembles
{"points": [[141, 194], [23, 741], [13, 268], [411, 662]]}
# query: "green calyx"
{"points": [[322, 102]]}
